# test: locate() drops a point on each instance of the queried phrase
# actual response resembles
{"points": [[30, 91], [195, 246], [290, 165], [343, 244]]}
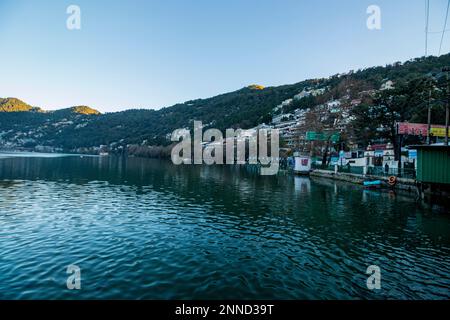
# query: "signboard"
{"points": [[413, 129], [342, 159], [412, 154], [438, 131], [310, 135], [319, 136], [378, 153], [315, 136], [335, 137], [420, 129]]}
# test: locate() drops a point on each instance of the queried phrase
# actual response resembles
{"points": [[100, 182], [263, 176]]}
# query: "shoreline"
{"points": [[403, 184]]}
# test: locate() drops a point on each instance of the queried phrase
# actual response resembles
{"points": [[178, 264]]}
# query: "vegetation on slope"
{"points": [[14, 105], [245, 108]]}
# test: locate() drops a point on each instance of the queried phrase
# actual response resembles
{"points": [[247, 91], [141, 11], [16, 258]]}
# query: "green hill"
{"points": [[14, 105], [77, 110], [84, 127], [84, 110]]}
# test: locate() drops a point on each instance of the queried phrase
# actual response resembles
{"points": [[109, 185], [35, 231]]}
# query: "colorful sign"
{"points": [[420, 129], [412, 154], [438, 131], [413, 129]]}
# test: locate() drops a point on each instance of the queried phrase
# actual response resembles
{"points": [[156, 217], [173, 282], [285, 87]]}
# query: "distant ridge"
{"points": [[256, 87], [17, 105], [14, 105], [84, 110]]}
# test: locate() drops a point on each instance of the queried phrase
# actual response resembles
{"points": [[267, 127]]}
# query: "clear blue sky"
{"points": [[151, 54]]}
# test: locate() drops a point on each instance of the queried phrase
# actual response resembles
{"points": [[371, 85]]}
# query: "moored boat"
{"points": [[372, 183]]}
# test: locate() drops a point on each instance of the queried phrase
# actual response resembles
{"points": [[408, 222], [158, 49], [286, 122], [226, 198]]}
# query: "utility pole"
{"points": [[447, 70], [427, 17], [446, 123], [429, 117]]}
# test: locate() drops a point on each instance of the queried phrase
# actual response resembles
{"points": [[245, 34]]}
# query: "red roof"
{"points": [[379, 147]]}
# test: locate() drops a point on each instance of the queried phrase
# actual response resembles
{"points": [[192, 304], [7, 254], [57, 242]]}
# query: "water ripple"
{"points": [[189, 233]]}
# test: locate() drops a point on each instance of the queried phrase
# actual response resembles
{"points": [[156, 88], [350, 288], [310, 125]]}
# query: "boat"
{"points": [[372, 183]]}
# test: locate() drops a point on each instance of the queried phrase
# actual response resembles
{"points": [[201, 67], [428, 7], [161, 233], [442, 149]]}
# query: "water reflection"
{"points": [[147, 229], [302, 184]]}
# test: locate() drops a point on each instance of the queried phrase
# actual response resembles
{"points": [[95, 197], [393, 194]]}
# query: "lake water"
{"points": [[145, 229]]}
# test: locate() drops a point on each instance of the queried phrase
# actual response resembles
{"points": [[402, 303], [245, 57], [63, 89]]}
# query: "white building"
{"points": [[388, 85]]}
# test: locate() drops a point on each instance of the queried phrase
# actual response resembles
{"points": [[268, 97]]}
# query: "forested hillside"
{"points": [[82, 127]]}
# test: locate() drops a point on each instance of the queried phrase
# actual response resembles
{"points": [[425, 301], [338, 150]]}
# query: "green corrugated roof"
{"points": [[433, 163]]}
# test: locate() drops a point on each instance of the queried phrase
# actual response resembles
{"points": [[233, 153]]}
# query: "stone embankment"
{"points": [[402, 183]]}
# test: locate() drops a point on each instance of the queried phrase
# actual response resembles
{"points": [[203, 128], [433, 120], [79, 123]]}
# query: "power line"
{"points": [[440, 31], [445, 26], [427, 15]]}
